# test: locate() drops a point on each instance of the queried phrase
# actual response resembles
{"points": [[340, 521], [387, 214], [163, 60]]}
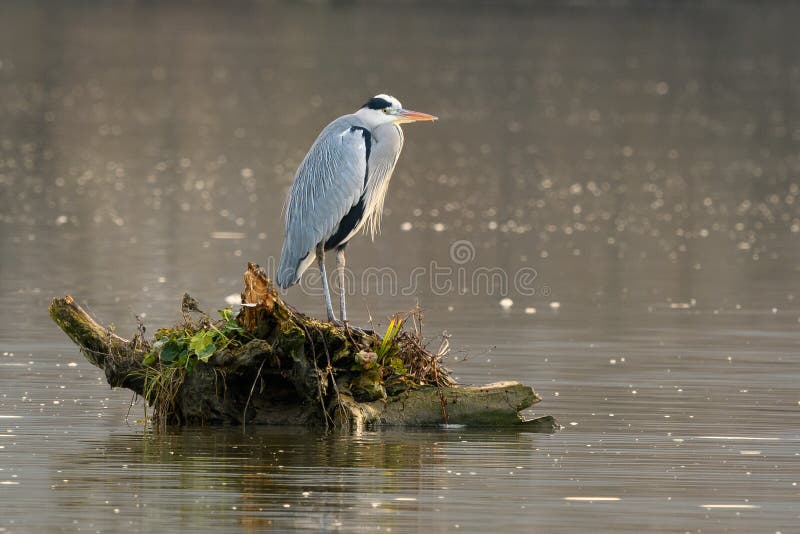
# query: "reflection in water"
{"points": [[400, 480], [287, 478], [643, 162]]}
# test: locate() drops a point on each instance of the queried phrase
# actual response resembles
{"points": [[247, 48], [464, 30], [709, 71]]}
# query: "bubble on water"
{"points": [[227, 235], [506, 303], [729, 506], [530, 310], [592, 499], [406, 226], [233, 299], [555, 305]]}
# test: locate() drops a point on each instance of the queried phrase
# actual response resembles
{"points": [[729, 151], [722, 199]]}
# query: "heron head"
{"points": [[385, 109]]}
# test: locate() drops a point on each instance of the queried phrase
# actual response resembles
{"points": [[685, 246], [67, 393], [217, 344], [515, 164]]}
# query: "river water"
{"points": [[628, 178]]}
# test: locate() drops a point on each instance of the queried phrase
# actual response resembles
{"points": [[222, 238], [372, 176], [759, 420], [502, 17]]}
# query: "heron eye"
{"points": [[385, 110]]}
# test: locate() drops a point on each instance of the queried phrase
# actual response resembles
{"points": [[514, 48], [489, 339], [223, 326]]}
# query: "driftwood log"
{"points": [[280, 367]]}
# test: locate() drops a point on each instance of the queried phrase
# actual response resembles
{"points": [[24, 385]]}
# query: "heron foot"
{"points": [[346, 325]]}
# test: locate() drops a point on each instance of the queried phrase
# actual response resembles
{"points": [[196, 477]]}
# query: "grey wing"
{"points": [[329, 182]]}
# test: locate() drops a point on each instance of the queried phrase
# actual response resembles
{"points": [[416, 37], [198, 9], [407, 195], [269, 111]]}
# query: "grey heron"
{"points": [[339, 189]]}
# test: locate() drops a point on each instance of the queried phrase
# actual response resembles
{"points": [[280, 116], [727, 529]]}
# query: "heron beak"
{"points": [[406, 115]]}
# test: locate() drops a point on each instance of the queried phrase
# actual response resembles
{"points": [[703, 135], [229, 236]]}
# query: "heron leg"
{"points": [[342, 287], [321, 263]]}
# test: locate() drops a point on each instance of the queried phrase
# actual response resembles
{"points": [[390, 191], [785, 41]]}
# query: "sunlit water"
{"points": [[644, 163]]}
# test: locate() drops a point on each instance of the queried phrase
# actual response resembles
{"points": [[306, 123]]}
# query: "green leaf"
{"points": [[397, 366], [170, 351], [225, 313], [207, 352], [233, 326], [150, 357], [202, 344], [200, 340], [395, 325]]}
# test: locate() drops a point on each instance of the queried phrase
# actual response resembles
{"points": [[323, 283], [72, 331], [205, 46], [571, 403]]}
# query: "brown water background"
{"points": [[640, 161]]}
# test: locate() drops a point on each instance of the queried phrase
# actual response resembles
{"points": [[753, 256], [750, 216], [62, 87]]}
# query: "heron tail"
{"points": [[291, 269], [286, 275]]}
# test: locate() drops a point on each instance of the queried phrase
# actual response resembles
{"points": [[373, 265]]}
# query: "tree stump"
{"points": [[270, 364]]}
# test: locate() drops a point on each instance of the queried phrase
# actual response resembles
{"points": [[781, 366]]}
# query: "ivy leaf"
{"points": [[170, 351], [207, 352], [202, 344]]}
